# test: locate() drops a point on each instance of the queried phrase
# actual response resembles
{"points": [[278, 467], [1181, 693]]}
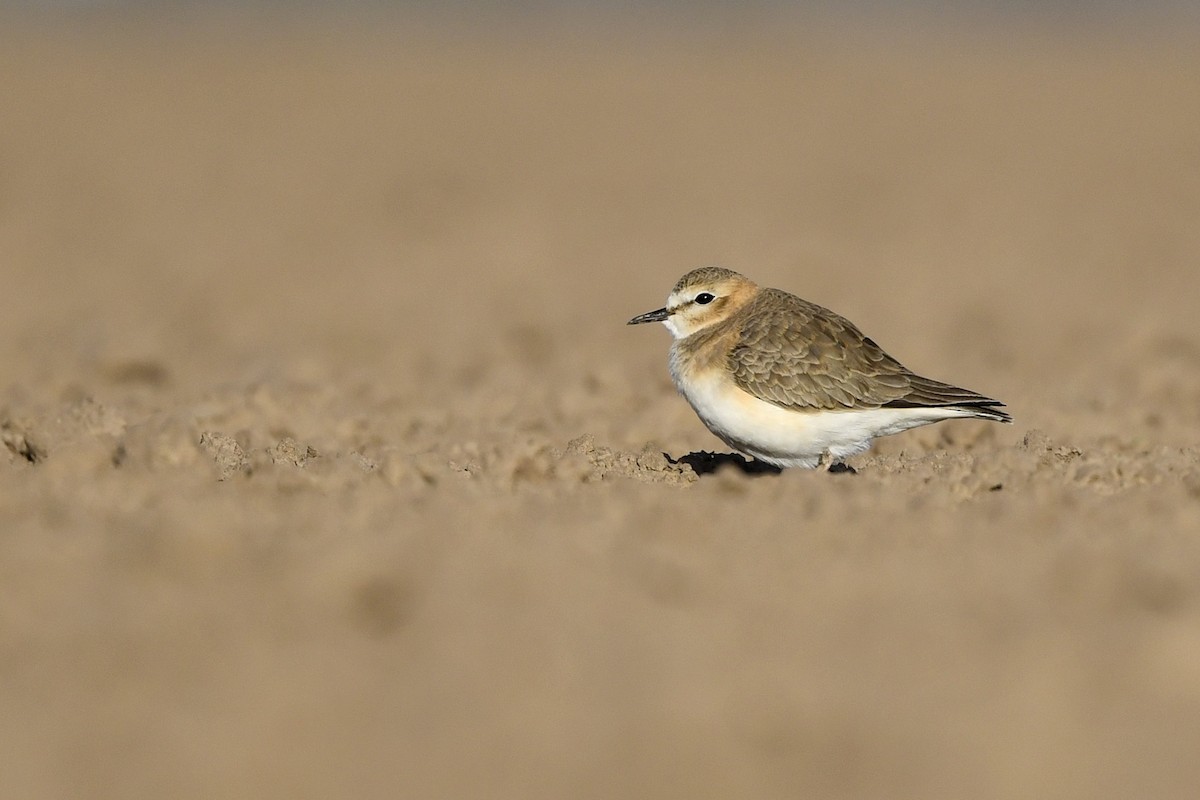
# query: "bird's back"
{"points": [[800, 355]]}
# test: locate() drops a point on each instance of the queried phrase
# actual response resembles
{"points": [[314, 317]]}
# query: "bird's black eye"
{"points": [[704, 298]]}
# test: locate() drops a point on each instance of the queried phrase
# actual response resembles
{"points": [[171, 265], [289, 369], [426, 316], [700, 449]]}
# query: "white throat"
{"points": [[677, 330]]}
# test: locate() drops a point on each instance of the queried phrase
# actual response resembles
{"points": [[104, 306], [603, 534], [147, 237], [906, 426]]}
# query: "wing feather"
{"points": [[799, 355]]}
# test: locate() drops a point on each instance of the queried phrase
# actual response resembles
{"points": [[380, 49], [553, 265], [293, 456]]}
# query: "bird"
{"points": [[791, 383]]}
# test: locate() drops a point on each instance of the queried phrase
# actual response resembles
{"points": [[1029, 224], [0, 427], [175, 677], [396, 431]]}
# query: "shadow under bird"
{"points": [[792, 384]]}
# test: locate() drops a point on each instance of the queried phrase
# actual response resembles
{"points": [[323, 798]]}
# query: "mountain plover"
{"points": [[790, 383]]}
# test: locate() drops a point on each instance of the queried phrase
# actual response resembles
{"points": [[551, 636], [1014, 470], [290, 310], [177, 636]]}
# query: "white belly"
{"points": [[789, 438]]}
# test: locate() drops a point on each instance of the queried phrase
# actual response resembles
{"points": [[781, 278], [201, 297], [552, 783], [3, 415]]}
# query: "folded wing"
{"points": [[799, 355]]}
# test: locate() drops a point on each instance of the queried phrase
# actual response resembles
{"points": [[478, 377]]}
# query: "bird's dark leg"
{"points": [[835, 465]]}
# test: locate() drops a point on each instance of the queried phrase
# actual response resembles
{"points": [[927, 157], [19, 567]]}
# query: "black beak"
{"points": [[650, 316]]}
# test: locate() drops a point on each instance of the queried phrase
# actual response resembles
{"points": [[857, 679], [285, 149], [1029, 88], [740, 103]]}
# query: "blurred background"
{"points": [[380, 257], [253, 174]]}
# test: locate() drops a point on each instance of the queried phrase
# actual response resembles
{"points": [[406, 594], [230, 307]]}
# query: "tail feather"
{"points": [[986, 411], [928, 393]]}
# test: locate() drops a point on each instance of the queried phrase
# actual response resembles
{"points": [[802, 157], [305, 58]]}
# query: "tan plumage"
{"points": [[734, 337], [799, 355]]}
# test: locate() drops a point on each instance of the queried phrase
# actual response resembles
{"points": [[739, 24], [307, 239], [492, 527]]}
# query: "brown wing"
{"points": [[796, 354]]}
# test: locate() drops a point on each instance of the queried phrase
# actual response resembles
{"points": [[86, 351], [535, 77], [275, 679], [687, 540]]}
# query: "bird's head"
{"points": [[701, 298]]}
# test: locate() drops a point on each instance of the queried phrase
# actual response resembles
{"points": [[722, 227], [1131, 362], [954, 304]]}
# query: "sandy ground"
{"points": [[330, 468]]}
